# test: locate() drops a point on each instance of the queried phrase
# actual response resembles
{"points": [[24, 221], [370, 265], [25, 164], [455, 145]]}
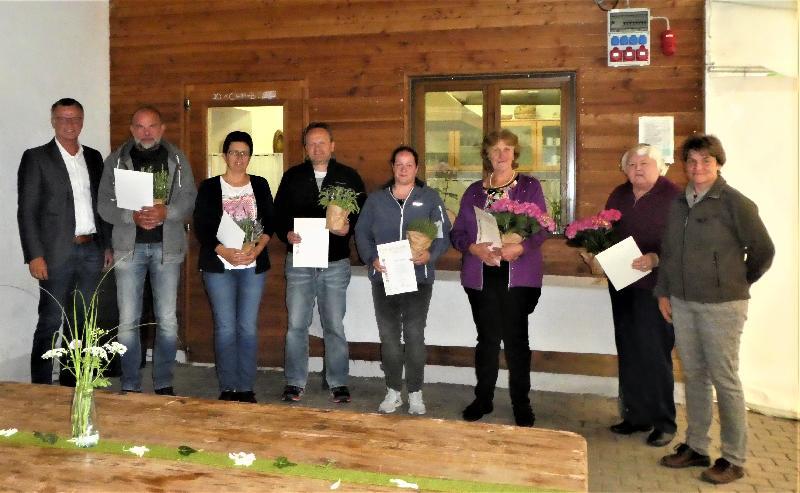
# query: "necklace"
{"points": [[509, 182], [494, 194]]}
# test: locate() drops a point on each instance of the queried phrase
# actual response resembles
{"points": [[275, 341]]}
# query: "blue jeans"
{"points": [[80, 271], [165, 274], [235, 296], [329, 288]]}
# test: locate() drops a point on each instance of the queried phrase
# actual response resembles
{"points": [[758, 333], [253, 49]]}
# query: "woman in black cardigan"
{"points": [[234, 275]]}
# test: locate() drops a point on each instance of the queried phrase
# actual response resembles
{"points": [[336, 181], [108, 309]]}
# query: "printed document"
{"points": [[399, 276]]}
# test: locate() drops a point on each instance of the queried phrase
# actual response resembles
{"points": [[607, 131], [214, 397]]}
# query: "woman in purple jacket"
{"points": [[644, 340], [503, 284]]}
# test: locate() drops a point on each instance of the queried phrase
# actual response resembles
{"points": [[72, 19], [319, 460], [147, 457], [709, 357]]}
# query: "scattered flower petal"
{"points": [[8, 432], [242, 458], [139, 450], [335, 486], [86, 440], [403, 484]]}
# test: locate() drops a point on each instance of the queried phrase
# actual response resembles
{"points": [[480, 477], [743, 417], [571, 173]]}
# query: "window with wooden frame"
{"points": [[450, 116]]}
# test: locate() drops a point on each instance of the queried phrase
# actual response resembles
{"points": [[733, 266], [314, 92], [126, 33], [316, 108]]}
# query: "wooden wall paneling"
{"points": [[357, 57]]}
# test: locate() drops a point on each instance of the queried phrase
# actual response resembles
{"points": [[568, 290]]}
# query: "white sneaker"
{"points": [[415, 404], [391, 402]]}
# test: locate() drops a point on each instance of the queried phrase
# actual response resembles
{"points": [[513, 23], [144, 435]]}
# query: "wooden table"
{"points": [[539, 458]]}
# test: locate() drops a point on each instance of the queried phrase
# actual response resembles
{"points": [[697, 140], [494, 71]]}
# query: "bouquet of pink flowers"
{"points": [[518, 220], [593, 233]]}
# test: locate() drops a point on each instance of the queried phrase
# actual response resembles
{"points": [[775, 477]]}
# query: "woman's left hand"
{"points": [[511, 251], [646, 262], [421, 258]]}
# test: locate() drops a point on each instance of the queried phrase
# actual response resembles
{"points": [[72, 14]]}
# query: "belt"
{"points": [[81, 239]]}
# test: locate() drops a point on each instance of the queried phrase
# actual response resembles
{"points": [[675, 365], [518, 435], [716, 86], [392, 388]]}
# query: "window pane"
{"points": [[453, 135], [534, 115]]}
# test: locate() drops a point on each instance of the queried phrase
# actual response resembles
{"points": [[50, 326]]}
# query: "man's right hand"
{"points": [[38, 268], [293, 237]]}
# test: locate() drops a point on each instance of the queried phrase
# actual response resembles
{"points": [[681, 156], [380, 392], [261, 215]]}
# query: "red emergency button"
{"points": [[642, 54], [615, 55], [628, 55]]}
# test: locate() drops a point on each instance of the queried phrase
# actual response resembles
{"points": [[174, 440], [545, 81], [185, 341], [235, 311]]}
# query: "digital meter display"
{"points": [[622, 22]]}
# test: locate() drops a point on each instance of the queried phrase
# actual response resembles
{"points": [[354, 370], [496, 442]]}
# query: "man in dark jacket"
{"points": [[298, 197], [64, 241]]}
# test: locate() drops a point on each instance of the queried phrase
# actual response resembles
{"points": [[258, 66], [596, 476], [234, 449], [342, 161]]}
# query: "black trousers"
{"points": [[501, 314], [644, 349]]}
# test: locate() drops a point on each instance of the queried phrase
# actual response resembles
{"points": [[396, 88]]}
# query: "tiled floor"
{"points": [[616, 463]]}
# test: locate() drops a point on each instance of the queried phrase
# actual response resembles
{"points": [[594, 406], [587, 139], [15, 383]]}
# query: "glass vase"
{"points": [[84, 417]]}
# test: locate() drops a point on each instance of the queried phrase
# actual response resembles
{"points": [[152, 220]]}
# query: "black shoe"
{"points": [[628, 428], [685, 456], [292, 393], [477, 410], [247, 396], [658, 438], [227, 395], [165, 391], [340, 395], [523, 416]]}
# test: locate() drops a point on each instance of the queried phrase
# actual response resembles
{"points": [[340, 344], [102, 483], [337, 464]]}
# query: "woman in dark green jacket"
{"points": [[714, 248]]}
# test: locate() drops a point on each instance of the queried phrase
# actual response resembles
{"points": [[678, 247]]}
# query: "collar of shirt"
{"points": [[66, 155]]}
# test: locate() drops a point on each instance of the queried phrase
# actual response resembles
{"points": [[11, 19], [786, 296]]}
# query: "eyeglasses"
{"points": [[241, 154], [61, 120]]}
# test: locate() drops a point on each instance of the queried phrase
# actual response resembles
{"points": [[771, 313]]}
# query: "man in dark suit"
{"points": [[64, 240]]}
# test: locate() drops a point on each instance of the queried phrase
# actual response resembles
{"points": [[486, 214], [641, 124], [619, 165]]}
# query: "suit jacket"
{"points": [[46, 206]]}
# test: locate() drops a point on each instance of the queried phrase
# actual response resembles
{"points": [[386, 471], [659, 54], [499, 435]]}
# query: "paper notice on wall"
{"points": [[659, 131]]}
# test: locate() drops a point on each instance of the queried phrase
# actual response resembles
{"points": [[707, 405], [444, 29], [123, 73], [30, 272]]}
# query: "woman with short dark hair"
{"points": [[234, 277], [715, 247]]}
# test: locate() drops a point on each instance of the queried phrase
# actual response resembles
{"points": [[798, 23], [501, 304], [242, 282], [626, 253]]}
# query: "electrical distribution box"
{"points": [[628, 37]]}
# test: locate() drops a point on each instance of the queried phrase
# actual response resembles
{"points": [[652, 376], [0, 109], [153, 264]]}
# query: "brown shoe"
{"points": [[722, 472], [685, 456]]}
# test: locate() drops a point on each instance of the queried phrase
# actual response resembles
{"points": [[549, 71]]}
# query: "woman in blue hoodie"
{"points": [[384, 219]]}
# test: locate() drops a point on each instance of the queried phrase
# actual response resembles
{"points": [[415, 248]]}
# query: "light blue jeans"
{"points": [[329, 288], [165, 274], [235, 297]]}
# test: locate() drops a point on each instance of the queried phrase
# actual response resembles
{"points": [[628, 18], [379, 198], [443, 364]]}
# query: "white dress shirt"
{"points": [[81, 192]]}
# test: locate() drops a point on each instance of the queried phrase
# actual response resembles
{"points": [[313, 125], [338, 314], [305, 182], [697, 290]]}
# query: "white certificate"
{"points": [[616, 262], [134, 189], [488, 231], [229, 233], [399, 276], [312, 251]]}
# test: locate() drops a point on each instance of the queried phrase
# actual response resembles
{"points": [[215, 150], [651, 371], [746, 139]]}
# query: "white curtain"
{"points": [[756, 117]]}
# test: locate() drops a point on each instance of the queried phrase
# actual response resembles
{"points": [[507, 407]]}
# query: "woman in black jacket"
{"points": [[234, 273]]}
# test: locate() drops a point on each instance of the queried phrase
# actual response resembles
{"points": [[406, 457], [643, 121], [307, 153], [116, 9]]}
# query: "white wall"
{"points": [[757, 120], [50, 50]]}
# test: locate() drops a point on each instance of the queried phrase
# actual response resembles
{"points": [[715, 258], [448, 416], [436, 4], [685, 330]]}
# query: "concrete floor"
{"points": [[616, 463]]}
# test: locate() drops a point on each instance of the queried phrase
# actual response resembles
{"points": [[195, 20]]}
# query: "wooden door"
{"points": [[198, 325]]}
